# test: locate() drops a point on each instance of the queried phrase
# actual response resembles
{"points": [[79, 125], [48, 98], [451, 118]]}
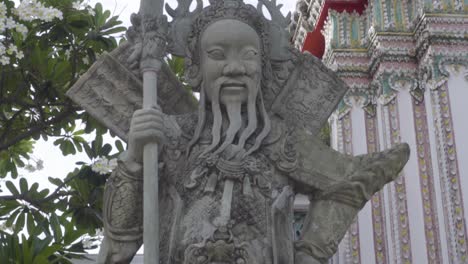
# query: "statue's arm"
{"points": [[123, 213], [338, 186]]}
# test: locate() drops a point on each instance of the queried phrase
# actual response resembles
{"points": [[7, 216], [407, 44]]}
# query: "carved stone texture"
{"points": [[310, 96], [110, 92]]}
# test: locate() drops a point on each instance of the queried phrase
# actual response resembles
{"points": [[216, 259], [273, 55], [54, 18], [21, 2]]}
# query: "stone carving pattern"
{"points": [[408, 82], [111, 95], [450, 176], [111, 92], [303, 102], [426, 179], [354, 243], [377, 201], [400, 209]]}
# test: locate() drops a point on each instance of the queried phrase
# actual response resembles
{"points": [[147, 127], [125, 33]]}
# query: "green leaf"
{"points": [[30, 225], [112, 22], [26, 250], [11, 187], [89, 151], [23, 185], [55, 181], [114, 31], [119, 146], [19, 224], [34, 188], [6, 207], [105, 150], [12, 218], [56, 228]]}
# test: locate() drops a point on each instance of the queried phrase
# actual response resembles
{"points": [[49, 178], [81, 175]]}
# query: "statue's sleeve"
{"points": [[338, 186], [123, 213]]}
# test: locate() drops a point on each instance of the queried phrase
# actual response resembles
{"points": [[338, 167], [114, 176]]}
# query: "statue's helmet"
{"points": [[219, 10]]}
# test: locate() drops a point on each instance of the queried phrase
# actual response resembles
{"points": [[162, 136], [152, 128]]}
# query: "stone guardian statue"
{"points": [[231, 164]]}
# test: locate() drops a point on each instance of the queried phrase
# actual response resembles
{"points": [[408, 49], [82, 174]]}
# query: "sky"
{"points": [[55, 164]]}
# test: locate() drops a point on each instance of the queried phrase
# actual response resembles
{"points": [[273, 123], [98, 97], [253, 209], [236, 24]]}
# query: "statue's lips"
{"points": [[233, 87]]}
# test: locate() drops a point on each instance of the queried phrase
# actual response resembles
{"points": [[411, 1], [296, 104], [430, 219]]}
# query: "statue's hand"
{"points": [[147, 126]]}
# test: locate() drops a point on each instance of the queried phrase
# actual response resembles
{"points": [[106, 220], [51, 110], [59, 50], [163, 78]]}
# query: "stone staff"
{"points": [[154, 29]]}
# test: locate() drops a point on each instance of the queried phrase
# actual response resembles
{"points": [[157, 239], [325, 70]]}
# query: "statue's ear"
{"points": [[193, 75]]}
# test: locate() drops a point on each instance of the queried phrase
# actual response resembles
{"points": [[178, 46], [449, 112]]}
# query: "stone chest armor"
{"points": [[200, 200]]}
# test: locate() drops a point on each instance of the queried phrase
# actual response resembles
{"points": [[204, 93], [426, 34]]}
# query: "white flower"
{"points": [[90, 11], [101, 166], [4, 60], [3, 10], [12, 49], [67, 53], [76, 5], [85, 61], [19, 55], [20, 28], [30, 10], [10, 23], [99, 232], [87, 243], [2, 49]]}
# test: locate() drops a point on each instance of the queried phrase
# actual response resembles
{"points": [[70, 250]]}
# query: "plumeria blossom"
{"points": [[76, 5], [30, 10], [27, 10], [87, 243], [90, 11], [4, 60], [83, 6], [85, 61], [104, 166], [91, 241]]}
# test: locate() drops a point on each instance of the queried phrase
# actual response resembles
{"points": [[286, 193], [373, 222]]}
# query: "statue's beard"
{"points": [[236, 134]]}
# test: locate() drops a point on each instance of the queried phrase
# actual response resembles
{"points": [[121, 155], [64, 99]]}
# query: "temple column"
{"points": [[445, 77]]}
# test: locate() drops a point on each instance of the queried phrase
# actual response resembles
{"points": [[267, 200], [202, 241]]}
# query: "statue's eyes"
{"points": [[250, 54], [216, 54]]}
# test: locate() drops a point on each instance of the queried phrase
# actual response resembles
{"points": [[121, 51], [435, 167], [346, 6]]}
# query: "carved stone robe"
{"points": [[260, 204]]}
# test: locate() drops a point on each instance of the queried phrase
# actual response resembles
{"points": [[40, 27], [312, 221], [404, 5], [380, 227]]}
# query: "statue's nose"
{"points": [[234, 68]]}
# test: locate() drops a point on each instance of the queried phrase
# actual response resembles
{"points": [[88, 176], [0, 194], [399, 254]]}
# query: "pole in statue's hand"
{"points": [[154, 31]]}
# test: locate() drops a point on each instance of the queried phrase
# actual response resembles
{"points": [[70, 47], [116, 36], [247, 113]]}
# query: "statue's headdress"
{"points": [[187, 25]]}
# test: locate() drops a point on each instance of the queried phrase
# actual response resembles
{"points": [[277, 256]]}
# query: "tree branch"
{"points": [[35, 129], [51, 197]]}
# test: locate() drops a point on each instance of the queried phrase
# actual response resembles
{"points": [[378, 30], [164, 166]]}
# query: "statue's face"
{"points": [[230, 61]]}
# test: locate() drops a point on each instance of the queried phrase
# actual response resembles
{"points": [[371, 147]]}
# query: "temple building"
{"points": [[406, 64]]}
